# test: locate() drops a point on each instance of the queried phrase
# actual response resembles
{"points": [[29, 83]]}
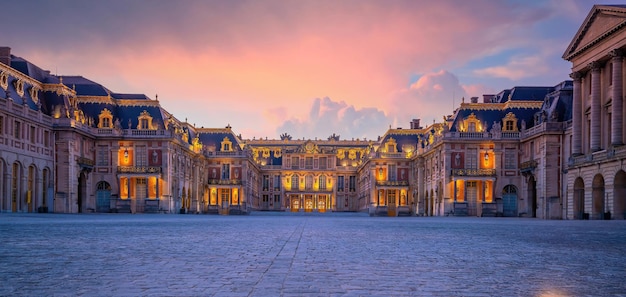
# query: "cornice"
{"points": [[134, 103], [21, 76]]}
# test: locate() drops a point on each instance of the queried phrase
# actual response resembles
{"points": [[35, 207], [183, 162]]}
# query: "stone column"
{"points": [[577, 114], [596, 112], [420, 187], [616, 106]]}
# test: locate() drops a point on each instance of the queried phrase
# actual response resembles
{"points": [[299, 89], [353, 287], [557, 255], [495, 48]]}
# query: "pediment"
{"points": [[602, 21]]}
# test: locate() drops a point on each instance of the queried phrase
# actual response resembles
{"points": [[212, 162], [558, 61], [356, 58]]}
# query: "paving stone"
{"points": [[269, 254]]}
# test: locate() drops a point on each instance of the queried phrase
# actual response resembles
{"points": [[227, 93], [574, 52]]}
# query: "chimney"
{"points": [[488, 98], [474, 99], [5, 55], [415, 124]]}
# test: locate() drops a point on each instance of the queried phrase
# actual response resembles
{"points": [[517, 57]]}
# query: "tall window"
{"points": [[17, 132], [46, 138], [225, 171], [295, 162], [308, 163], [308, 182], [276, 182], [322, 182], [1, 125], [294, 182], [32, 134], [509, 158], [141, 156], [266, 182], [102, 158], [340, 183], [323, 162], [352, 183], [471, 160], [392, 172]]}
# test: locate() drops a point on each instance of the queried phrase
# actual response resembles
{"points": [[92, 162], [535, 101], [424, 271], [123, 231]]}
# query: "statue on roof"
{"points": [[285, 136]]}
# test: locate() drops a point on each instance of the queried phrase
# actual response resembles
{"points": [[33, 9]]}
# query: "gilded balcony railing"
{"points": [[224, 182], [138, 169], [473, 172], [528, 166], [394, 183]]}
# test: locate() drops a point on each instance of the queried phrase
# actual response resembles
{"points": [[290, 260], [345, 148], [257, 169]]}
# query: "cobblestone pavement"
{"points": [[308, 255]]}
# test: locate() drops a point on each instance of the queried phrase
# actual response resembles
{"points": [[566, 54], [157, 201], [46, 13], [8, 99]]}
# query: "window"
{"points": [[32, 134], [295, 161], [277, 182], [352, 183], [392, 171], [141, 156], [471, 127], [323, 162], [276, 198], [46, 138], [266, 182], [1, 125], [322, 182], [391, 197], [509, 158], [308, 182], [106, 123], [294, 182], [143, 124], [471, 160], [508, 126], [308, 163], [102, 158], [17, 131], [266, 198], [225, 171], [340, 183]]}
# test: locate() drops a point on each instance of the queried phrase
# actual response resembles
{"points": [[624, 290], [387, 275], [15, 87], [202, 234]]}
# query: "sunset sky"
{"points": [[307, 68]]}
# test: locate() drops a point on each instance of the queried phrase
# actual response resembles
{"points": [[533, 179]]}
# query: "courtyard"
{"points": [[284, 254]]}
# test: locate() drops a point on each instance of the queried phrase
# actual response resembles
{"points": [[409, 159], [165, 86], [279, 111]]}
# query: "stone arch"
{"points": [[597, 197], [578, 201], [46, 179], [532, 196], [619, 195], [31, 188]]}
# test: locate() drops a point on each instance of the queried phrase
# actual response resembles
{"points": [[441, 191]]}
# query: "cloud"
{"points": [[327, 117], [430, 97], [517, 68]]}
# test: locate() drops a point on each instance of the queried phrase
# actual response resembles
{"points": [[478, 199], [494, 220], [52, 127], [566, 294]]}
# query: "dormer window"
{"points": [[471, 127], [227, 145], [391, 145], [508, 125], [510, 122], [145, 121], [105, 119]]}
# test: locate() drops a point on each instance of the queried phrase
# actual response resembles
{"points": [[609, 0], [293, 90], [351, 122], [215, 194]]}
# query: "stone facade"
{"points": [[70, 145]]}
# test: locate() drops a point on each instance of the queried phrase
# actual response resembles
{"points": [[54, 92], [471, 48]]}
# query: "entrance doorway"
{"points": [[509, 201]]}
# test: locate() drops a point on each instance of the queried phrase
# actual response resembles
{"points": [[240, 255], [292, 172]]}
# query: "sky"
{"points": [[306, 68]]}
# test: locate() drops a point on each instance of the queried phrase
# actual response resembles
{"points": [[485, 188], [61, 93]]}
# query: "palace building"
{"points": [[71, 145]]}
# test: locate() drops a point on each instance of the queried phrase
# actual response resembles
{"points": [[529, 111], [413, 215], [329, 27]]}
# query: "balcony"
{"points": [[138, 169], [392, 183], [85, 163], [224, 182], [473, 172], [528, 166]]}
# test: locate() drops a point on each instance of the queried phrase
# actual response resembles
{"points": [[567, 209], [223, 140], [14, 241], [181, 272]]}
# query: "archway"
{"points": [[431, 210], [509, 201], [619, 195], [103, 197], [426, 207], [31, 196], [597, 197], [579, 199], [82, 191], [532, 196], [15, 186]]}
